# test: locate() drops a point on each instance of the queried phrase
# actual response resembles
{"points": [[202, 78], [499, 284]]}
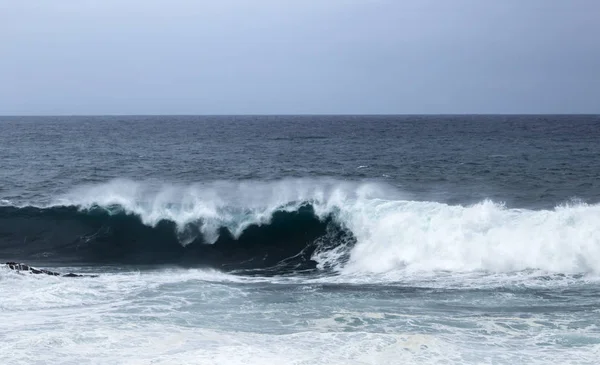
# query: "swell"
{"points": [[97, 235]]}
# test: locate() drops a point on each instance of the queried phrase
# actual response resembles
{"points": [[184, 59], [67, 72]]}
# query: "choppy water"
{"points": [[302, 240]]}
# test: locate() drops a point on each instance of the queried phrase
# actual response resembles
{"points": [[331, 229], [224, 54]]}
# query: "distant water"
{"points": [[301, 240]]}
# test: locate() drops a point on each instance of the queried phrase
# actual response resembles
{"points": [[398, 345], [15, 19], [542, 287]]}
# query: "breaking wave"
{"points": [[297, 225]]}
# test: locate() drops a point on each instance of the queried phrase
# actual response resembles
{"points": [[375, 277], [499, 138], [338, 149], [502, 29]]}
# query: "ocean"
{"points": [[301, 239]]}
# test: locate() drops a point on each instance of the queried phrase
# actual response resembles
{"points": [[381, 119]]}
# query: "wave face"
{"points": [[295, 225], [101, 235]]}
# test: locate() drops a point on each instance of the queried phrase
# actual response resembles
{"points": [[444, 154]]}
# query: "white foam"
{"points": [[429, 236], [204, 317]]}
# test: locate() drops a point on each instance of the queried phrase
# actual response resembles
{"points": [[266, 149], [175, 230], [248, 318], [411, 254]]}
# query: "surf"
{"points": [[297, 226]]}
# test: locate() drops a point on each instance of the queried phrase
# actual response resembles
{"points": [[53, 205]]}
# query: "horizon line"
{"points": [[295, 115]]}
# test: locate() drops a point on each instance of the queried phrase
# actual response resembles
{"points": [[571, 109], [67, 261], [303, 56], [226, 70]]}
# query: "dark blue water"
{"points": [[525, 161], [302, 239]]}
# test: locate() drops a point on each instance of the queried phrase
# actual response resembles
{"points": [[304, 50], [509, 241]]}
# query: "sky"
{"points": [[84, 57]]}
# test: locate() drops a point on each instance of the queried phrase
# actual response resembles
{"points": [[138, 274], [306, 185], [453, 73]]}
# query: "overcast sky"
{"points": [[299, 56]]}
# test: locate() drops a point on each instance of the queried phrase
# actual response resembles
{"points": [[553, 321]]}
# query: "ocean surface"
{"points": [[301, 239]]}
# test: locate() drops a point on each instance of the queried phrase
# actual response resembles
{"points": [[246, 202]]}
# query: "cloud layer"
{"points": [[275, 57]]}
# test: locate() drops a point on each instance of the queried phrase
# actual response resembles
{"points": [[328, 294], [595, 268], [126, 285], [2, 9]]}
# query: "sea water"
{"points": [[301, 240]]}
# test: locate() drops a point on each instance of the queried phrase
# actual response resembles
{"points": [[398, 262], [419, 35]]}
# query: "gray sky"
{"points": [[299, 56]]}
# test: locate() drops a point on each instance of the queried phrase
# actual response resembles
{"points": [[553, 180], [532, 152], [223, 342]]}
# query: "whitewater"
{"points": [[301, 240]]}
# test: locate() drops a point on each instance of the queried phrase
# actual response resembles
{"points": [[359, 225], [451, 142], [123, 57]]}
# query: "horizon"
{"points": [[296, 115]]}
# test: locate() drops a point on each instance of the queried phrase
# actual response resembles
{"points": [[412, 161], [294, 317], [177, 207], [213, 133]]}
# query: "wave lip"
{"points": [[233, 205]]}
